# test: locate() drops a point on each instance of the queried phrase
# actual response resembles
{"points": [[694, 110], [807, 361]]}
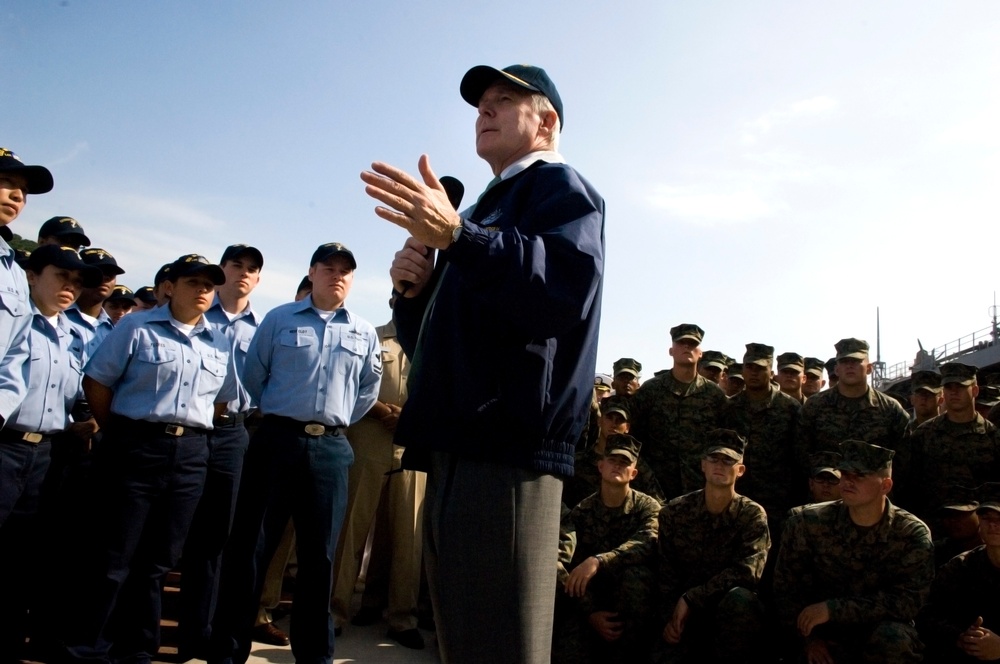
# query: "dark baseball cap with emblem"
{"points": [[146, 295], [627, 365], [760, 354], [687, 331], [956, 372], [814, 366], [38, 178], [327, 251], [714, 358], [161, 275], [863, 458], [988, 495], [855, 349], [622, 444], [479, 78], [926, 380], [190, 265], [725, 441], [100, 258], [824, 463], [66, 258], [791, 361], [234, 251], [123, 293], [65, 227]]}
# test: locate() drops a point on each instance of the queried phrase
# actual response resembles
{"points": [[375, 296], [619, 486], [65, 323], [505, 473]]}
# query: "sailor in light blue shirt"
{"points": [[155, 385], [52, 373], [160, 374], [313, 367], [88, 314], [17, 180]]}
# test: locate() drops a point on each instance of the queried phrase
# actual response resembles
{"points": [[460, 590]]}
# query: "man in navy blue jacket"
{"points": [[502, 331]]}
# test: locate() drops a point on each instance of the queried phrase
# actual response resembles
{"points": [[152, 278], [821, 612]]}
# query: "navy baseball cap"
{"points": [[331, 249], [64, 257], [146, 295], [101, 259], [529, 77], [235, 250], [64, 227], [38, 178], [193, 264]]}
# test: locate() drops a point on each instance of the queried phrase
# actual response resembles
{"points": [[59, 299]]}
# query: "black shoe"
{"points": [[337, 631], [367, 615], [427, 622], [270, 634], [408, 638]]}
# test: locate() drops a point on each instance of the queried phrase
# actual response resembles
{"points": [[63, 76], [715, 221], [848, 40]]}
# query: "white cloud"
{"points": [[814, 107], [700, 204]]}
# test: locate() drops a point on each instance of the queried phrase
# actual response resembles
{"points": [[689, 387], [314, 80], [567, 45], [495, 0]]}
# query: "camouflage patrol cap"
{"points": [[615, 404], [725, 441], [791, 361], [824, 463], [736, 370], [687, 331], [988, 496], [714, 358], [956, 372], [759, 354], [926, 380], [831, 367], [959, 499], [622, 444], [815, 366], [627, 365], [989, 395], [856, 349], [862, 458]]}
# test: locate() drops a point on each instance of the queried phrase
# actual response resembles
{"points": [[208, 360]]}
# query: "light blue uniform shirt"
{"points": [[91, 333], [312, 370], [159, 374], [15, 319], [239, 332], [53, 374]]}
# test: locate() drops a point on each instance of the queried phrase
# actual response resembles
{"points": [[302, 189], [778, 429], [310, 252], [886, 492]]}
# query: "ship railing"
{"points": [[952, 350]]}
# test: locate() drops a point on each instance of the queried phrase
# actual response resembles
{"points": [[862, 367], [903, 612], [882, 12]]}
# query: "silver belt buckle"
{"points": [[174, 430], [33, 438], [315, 429]]}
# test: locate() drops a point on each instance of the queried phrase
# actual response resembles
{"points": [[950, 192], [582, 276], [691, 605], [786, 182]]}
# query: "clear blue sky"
{"points": [[773, 170]]}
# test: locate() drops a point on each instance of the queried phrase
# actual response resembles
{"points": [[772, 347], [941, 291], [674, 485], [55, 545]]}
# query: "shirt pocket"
{"points": [[297, 350], [11, 302], [211, 377], [157, 368]]}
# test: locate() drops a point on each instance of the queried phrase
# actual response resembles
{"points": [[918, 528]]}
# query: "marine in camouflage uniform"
{"points": [[586, 478], [814, 383], [620, 542], [672, 412], [768, 419], [850, 583], [712, 545], [851, 410], [925, 397], [963, 607], [956, 448]]}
